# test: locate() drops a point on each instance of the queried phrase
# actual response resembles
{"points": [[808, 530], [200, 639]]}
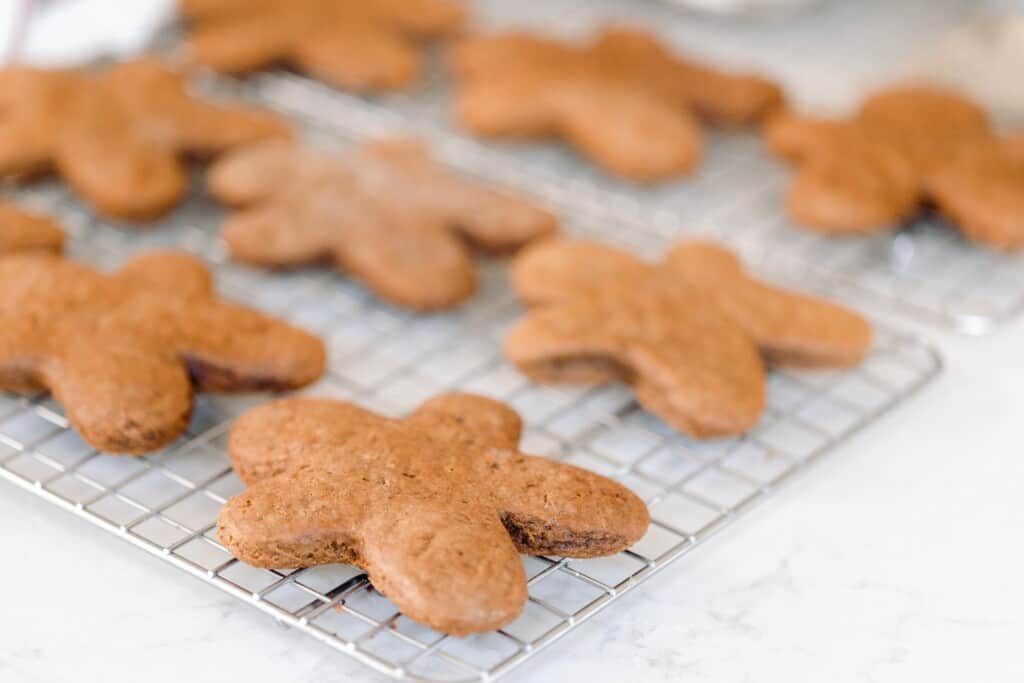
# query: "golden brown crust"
{"points": [[123, 353], [388, 216], [364, 46], [434, 507], [685, 334], [24, 230], [624, 101], [117, 137], [906, 147]]}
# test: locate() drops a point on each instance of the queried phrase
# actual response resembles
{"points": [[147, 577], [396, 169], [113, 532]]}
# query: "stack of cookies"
{"points": [[436, 506]]}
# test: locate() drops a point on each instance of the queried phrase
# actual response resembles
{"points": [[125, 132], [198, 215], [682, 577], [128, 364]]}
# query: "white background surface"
{"points": [[898, 559]]}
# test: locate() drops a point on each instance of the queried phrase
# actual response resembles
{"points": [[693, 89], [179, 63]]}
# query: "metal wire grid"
{"points": [[925, 271], [166, 503]]}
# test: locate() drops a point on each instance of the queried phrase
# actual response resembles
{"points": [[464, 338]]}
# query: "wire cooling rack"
{"points": [[166, 503], [826, 56]]}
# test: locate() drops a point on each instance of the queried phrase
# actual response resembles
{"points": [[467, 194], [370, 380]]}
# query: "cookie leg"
{"points": [[457, 573], [120, 398]]}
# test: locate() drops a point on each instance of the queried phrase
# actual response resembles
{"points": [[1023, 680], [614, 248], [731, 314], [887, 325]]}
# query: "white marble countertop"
{"points": [[897, 559]]}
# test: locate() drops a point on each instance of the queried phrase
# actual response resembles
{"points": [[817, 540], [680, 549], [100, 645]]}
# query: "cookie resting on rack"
{"points": [[387, 215], [434, 507], [624, 101], [24, 230], [124, 353], [690, 335], [118, 136], [906, 148], [351, 44]]}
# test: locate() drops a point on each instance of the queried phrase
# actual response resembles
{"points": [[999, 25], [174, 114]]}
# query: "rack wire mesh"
{"points": [[166, 503], [826, 56]]}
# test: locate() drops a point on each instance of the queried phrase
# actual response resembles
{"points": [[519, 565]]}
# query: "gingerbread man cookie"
{"points": [[117, 136], [124, 353], [434, 507], [688, 335], [624, 101], [364, 46], [906, 148], [387, 215], [23, 230]]}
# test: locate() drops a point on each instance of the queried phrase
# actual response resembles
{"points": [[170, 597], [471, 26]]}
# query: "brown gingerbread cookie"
{"points": [[624, 101], [685, 334], [23, 230], [117, 136], [124, 353], [365, 46], [906, 148], [434, 507], [387, 215]]}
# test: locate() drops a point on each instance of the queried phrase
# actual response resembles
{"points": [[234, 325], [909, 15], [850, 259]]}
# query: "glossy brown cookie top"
{"points": [[119, 136], [351, 44], [685, 334], [387, 215], [124, 353], [906, 148], [434, 507], [624, 100]]}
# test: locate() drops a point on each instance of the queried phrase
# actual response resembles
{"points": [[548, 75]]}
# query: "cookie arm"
{"points": [[206, 129], [300, 518], [789, 328], [551, 508], [26, 146], [254, 172], [231, 348], [25, 230], [985, 199], [566, 344], [280, 234], [491, 221]]}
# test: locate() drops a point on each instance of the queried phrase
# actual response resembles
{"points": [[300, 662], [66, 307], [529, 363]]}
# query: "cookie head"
{"points": [[387, 215], [434, 507], [124, 353]]}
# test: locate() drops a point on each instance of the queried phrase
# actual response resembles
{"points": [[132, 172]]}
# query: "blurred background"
{"points": [[826, 52]]}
